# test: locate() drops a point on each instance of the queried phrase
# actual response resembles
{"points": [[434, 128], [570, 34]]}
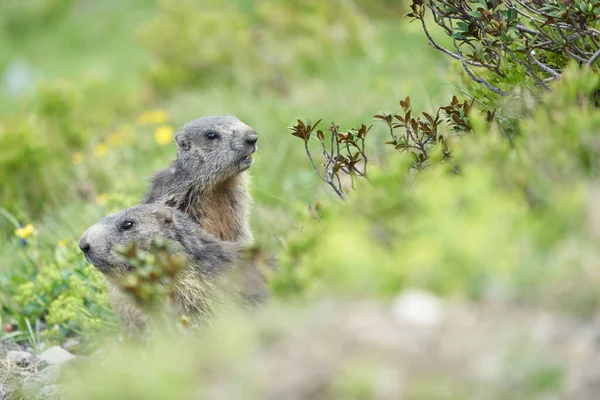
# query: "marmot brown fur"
{"points": [[207, 181], [207, 259]]}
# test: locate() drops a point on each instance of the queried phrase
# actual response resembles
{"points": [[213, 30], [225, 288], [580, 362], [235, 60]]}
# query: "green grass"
{"points": [[91, 41]]}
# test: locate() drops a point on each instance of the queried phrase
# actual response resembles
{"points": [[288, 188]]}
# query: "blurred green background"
{"points": [[90, 96], [77, 74]]}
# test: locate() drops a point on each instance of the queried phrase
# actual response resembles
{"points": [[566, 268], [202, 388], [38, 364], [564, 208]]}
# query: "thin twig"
{"points": [[364, 156], [339, 191], [525, 29], [576, 57], [543, 66], [552, 78], [443, 49], [594, 58], [335, 156], [543, 45], [312, 161], [484, 82], [478, 79]]}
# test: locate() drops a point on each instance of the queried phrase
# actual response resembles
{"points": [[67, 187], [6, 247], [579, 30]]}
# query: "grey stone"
{"points": [[6, 346], [56, 355], [20, 358]]}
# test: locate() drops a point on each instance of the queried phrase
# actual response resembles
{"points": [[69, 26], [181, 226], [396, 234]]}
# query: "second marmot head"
{"points": [[141, 224], [206, 260]]}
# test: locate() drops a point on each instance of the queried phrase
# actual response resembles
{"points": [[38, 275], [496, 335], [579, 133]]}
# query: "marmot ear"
{"points": [[182, 142], [164, 215]]}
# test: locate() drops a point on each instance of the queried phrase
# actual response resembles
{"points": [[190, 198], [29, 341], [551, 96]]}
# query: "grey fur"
{"points": [[207, 181], [207, 258]]}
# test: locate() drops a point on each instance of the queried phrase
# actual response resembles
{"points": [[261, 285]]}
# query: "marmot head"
{"points": [[138, 224], [222, 147]]}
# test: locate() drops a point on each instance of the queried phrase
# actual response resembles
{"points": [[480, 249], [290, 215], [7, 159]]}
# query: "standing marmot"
{"points": [[207, 258], [207, 180]]}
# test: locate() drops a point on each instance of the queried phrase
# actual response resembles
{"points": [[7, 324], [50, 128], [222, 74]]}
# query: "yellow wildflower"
{"points": [[152, 117], [101, 150], [25, 231], [63, 242], [115, 139], [163, 135], [77, 158], [102, 199]]}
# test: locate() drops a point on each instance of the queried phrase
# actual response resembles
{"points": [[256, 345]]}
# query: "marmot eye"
{"points": [[212, 135], [127, 225]]}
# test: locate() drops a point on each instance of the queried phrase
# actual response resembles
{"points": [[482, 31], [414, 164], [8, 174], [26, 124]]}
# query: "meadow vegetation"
{"points": [[474, 196]]}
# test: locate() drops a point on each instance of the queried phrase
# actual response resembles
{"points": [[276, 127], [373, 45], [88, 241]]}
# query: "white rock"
{"points": [[56, 355], [419, 308]]}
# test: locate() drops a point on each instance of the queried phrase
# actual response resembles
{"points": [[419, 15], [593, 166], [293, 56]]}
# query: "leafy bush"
{"points": [[526, 42], [511, 224], [247, 42], [420, 135], [344, 152], [67, 296]]}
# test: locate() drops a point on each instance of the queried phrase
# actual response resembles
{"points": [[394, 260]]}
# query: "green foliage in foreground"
{"points": [[518, 224], [329, 351]]}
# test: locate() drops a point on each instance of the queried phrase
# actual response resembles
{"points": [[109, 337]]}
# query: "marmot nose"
{"points": [[252, 139], [84, 245]]}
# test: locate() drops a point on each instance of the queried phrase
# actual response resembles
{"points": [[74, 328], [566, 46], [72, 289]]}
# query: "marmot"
{"points": [[207, 181], [207, 259]]}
